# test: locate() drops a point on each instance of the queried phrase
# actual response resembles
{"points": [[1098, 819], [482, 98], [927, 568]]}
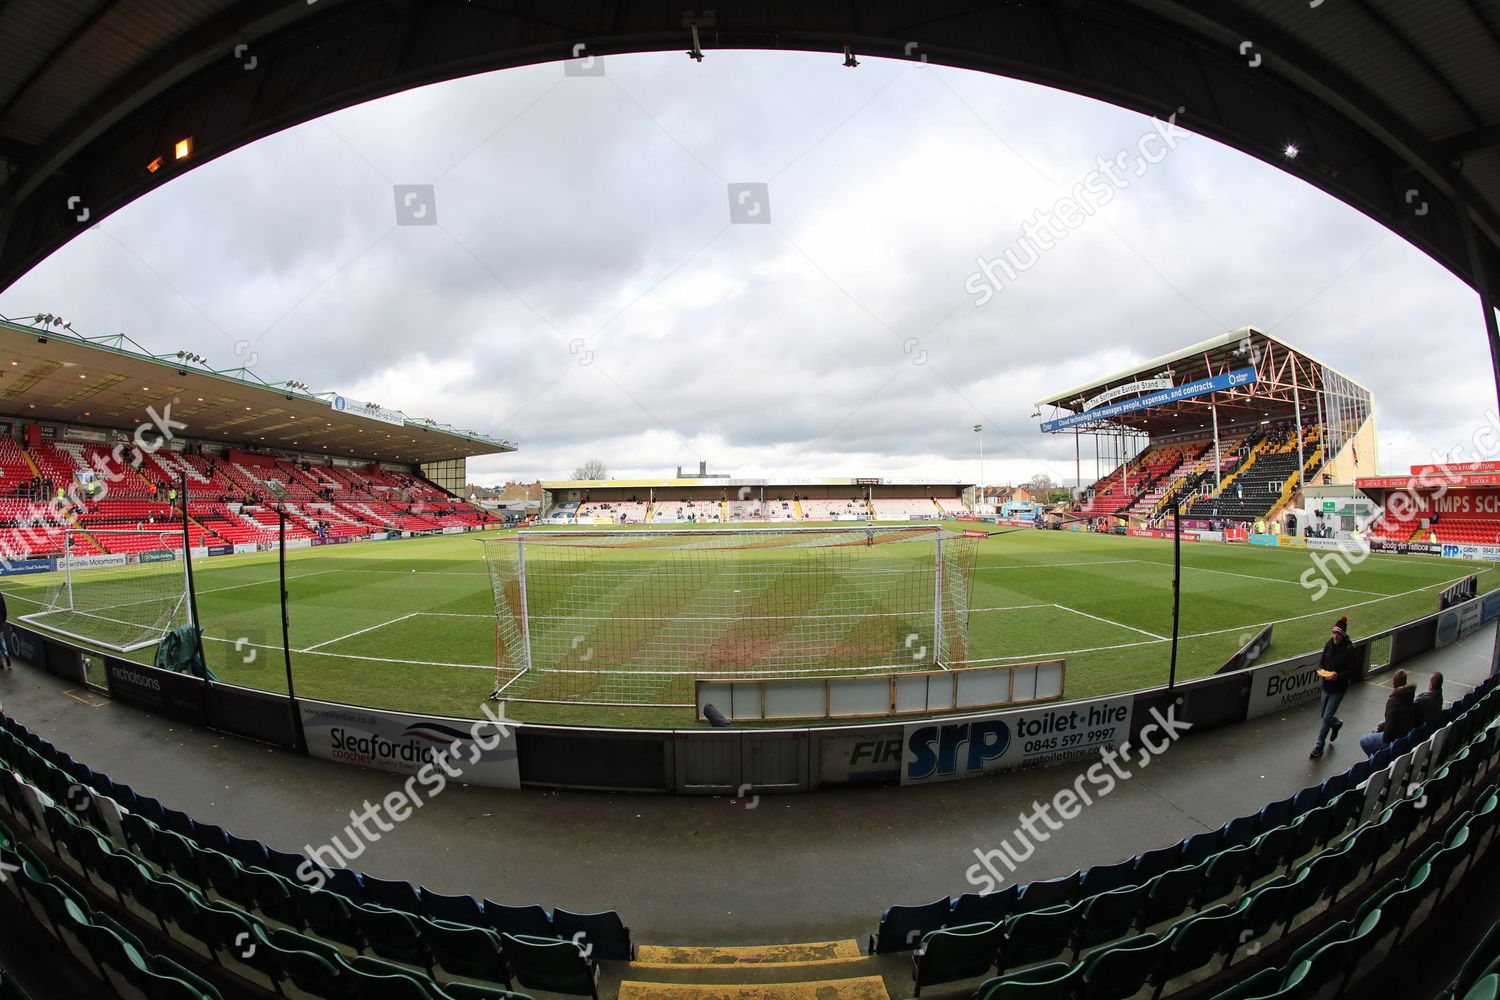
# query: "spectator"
{"points": [[1427, 707], [1399, 716], [1336, 668], [5, 633]]}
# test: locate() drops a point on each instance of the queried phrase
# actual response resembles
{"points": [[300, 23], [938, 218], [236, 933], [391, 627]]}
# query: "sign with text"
{"points": [[1032, 737], [1188, 390], [408, 744]]}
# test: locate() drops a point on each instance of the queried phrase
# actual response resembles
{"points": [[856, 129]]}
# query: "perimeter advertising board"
{"points": [[177, 696], [1457, 621], [1031, 737], [407, 744], [861, 758], [1278, 686]]}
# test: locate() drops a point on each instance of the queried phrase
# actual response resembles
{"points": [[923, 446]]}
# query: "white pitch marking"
{"points": [[1064, 607], [351, 635]]}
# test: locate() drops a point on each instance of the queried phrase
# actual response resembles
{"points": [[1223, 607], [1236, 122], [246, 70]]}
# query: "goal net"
{"points": [[630, 617], [122, 590]]}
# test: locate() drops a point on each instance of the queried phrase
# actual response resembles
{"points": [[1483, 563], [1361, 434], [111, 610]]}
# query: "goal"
{"points": [[123, 599], [630, 617]]}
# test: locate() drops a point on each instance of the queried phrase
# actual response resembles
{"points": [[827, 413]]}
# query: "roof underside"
{"points": [[1278, 366], [51, 376], [1394, 105]]}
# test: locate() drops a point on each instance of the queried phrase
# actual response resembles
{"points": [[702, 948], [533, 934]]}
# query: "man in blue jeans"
{"points": [[1336, 668]]}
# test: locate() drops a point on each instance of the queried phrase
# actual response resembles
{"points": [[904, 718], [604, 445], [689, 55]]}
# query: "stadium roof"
{"points": [[49, 373], [1390, 105], [1268, 396]]}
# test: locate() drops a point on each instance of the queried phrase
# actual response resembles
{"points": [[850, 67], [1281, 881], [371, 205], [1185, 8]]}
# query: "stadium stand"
{"points": [[828, 509], [158, 904], [229, 503], [1264, 480], [954, 505], [901, 508], [618, 511], [684, 510], [1165, 916]]}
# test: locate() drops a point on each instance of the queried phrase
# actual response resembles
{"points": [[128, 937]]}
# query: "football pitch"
{"points": [[410, 625]]}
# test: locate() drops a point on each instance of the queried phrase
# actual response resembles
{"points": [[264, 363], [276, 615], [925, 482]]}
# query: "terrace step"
{"points": [[861, 988], [652, 956], [759, 965]]}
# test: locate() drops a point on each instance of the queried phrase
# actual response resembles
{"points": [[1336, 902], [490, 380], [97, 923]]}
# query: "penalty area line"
{"points": [[1158, 638], [351, 635]]}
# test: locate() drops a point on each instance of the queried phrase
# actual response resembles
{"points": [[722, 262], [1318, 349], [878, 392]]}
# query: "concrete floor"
{"points": [[685, 870]]}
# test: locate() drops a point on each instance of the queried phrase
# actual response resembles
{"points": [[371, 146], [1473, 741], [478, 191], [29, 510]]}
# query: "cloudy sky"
{"points": [[585, 293]]}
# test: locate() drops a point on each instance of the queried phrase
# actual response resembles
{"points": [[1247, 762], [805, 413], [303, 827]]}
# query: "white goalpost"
{"points": [[122, 601], [632, 616]]}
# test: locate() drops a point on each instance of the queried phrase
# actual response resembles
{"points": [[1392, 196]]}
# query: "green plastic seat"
{"points": [[371, 979], [223, 877], [1303, 894], [64, 917], [121, 966], [170, 981], [1108, 916], [270, 897], [1056, 981], [464, 951], [1484, 955], [1198, 942], [131, 883], [235, 936], [391, 934], [1039, 936], [1325, 970], [1259, 913], [1269, 853], [327, 914], [1170, 894], [313, 974], [551, 964], [1121, 970], [1487, 988], [1265, 983], [1224, 873], [956, 953], [181, 911], [183, 857], [141, 837]]}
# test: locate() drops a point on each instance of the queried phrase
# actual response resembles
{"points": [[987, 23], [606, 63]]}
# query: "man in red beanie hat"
{"points": [[1336, 668]]}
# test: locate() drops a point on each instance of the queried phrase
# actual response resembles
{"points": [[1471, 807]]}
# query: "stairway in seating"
{"points": [[824, 970]]}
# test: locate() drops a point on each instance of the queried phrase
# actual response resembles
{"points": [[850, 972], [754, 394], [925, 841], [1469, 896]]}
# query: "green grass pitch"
{"points": [[409, 625]]}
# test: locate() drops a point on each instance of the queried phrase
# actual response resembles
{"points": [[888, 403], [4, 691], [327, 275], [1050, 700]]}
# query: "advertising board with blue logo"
{"points": [[21, 567], [942, 750], [1486, 553]]}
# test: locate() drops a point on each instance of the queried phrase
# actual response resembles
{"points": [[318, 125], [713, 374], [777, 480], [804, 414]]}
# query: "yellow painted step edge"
{"points": [[759, 956], [862, 988]]}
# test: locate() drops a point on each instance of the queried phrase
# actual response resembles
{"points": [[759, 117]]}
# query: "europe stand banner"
{"points": [[1188, 390]]}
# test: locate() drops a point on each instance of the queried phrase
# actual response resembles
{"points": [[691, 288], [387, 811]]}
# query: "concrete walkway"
{"points": [[710, 871]]}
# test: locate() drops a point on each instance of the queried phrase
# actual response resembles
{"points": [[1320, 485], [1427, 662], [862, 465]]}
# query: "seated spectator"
{"points": [[1428, 706], [1399, 716]]}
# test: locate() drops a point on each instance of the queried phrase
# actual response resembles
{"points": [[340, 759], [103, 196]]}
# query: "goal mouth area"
{"points": [[91, 638], [632, 616], [119, 590]]}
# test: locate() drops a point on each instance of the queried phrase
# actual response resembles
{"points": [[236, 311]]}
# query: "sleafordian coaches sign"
{"points": [[480, 753]]}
